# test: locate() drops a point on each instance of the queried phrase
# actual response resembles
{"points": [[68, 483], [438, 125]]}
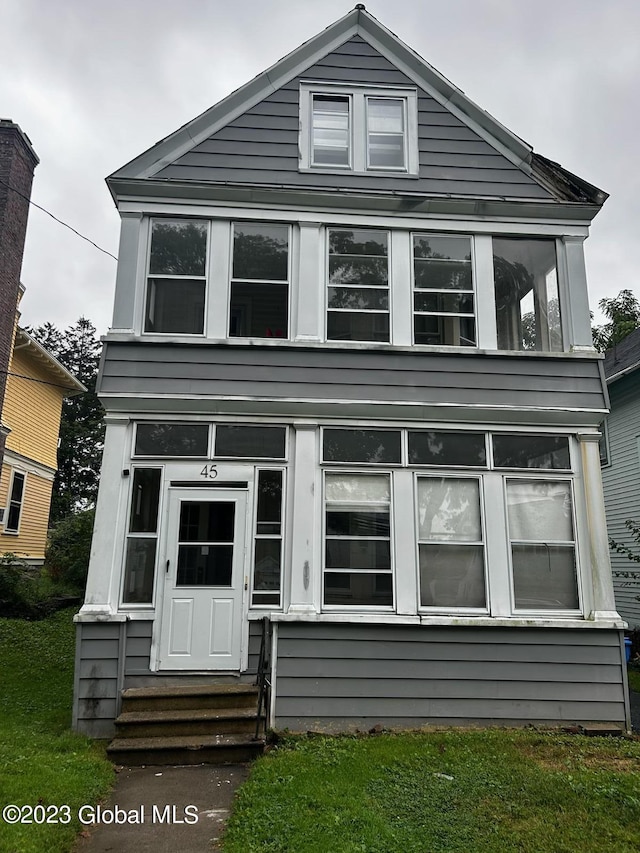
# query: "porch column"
{"points": [[103, 581], [304, 572], [604, 606]]}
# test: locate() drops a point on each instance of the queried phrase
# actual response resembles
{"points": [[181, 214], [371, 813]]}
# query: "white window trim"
{"points": [[358, 127], [14, 531]]}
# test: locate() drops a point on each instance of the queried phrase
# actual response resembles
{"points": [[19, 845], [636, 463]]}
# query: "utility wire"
{"points": [[44, 210], [32, 379]]}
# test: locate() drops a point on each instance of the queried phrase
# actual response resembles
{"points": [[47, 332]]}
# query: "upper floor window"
{"points": [[358, 129], [358, 296], [527, 301], [176, 284], [259, 306]]}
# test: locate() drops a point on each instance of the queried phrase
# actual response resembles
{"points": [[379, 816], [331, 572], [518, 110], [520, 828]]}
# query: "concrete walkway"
{"points": [[164, 810]]}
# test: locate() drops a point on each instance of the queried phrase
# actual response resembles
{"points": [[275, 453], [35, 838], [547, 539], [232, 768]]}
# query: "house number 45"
{"points": [[209, 471]]}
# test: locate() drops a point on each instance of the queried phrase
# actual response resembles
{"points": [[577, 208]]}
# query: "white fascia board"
{"points": [[239, 101], [464, 223], [31, 466]]}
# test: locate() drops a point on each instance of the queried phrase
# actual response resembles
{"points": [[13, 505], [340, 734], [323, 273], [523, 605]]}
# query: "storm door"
{"points": [[204, 578]]}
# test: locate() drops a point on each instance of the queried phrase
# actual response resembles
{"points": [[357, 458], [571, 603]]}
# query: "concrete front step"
{"points": [[190, 697], [197, 721], [215, 749]]}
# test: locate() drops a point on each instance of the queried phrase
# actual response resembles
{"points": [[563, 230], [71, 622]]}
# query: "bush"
{"points": [[67, 557]]}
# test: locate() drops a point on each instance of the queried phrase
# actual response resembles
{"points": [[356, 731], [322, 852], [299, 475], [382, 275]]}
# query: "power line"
{"points": [[44, 210], [33, 379]]}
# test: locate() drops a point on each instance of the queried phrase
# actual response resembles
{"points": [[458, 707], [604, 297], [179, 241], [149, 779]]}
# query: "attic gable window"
{"points": [[358, 129]]}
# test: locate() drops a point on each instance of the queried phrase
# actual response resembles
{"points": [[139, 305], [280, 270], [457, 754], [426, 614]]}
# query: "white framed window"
{"points": [[176, 277], [443, 290], [544, 569], [358, 275], [15, 503], [266, 587], [450, 543], [142, 537], [358, 129], [358, 562], [259, 293]]}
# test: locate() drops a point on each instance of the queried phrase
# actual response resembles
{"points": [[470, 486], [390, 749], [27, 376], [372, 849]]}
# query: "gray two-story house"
{"points": [[350, 387]]}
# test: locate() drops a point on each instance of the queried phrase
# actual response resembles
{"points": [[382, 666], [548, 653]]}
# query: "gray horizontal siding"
{"points": [[268, 133], [271, 373], [336, 677], [96, 680], [621, 481]]}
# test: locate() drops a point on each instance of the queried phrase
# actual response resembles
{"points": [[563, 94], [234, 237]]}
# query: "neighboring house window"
{"points": [[16, 501], [267, 555], [171, 439], [358, 285], [526, 289], [450, 543], [358, 129], [259, 306], [357, 565], [142, 537], [444, 310], [603, 444], [176, 283]]}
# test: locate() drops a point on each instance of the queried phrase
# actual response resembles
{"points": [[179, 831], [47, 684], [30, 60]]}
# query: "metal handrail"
{"points": [[262, 679]]}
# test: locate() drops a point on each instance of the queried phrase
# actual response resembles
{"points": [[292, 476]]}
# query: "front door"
{"points": [[204, 573]]}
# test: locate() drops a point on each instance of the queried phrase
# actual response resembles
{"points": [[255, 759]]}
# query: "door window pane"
{"points": [[204, 565], [168, 439], [531, 451], [527, 301], [176, 286], [447, 448], [206, 521], [362, 445], [250, 442], [358, 294]]}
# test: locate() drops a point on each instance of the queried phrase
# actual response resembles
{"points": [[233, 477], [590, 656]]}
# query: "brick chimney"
{"points": [[17, 163]]}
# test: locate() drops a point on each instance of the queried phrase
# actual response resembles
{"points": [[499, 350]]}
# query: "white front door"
{"points": [[204, 572]]}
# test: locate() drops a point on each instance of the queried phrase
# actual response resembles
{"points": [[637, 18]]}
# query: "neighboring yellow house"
{"points": [[36, 386]]}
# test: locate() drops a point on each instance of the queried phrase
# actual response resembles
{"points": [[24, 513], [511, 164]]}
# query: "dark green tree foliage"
{"points": [[68, 550], [623, 312], [75, 486]]}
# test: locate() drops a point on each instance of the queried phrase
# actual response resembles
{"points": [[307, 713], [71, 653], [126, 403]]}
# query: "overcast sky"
{"points": [[93, 83]]}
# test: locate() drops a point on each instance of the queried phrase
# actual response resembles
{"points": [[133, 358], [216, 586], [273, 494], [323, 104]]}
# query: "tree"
{"points": [[623, 312], [75, 487]]}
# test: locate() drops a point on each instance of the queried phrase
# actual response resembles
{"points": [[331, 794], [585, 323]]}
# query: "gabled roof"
{"points": [[61, 377], [623, 358], [562, 185]]}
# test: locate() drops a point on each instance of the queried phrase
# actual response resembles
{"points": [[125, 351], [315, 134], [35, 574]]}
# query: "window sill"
{"points": [[118, 336], [446, 621], [367, 173]]}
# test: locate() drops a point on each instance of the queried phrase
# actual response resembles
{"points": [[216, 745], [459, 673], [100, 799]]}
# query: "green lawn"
{"points": [[634, 679], [41, 760], [442, 792]]}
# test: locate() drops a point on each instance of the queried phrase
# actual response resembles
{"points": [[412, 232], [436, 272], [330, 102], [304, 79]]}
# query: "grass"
{"points": [[634, 679], [441, 792], [41, 760]]}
